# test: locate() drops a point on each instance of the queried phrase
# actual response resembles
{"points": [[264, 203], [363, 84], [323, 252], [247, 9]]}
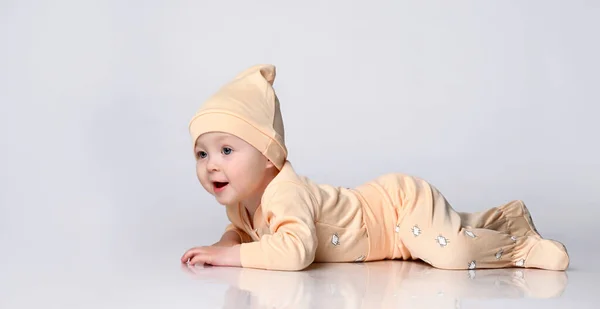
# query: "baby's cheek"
{"points": [[206, 187], [204, 182], [199, 172], [240, 188], [244, 189]]}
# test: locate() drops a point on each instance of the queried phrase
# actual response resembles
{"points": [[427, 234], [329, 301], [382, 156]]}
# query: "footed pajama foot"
{"points": [[547, 254]]}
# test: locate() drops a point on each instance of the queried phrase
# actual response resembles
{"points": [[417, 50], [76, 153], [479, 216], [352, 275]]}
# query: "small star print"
{"points": [[499, 254], [416, 230], [335, 240], [520, 263], [442, 241]]}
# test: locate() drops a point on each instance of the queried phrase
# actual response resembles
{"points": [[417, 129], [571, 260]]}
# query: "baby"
{"points": [[280, 220]]}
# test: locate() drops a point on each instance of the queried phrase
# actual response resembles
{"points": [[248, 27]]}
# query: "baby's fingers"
{"points": [[201, 258], [190, 254]]}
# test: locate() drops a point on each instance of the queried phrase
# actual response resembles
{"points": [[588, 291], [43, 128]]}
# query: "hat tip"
{"points": [[268, 72]]}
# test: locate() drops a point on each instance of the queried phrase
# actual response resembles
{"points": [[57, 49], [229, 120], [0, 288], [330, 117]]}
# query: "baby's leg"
{"points": [[434, 232]]}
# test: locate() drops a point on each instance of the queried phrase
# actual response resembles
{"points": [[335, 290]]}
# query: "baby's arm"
{"points": [[289, 211], [225, 252], [233, 236]]}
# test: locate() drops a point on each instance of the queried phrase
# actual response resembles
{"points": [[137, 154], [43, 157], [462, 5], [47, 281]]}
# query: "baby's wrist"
{"points": [[235, 255]]}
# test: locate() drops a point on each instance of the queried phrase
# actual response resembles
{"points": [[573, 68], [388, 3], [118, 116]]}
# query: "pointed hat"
{"points": [[248, 108]]}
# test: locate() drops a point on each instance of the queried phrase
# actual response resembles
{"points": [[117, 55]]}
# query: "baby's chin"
{"points": [[226, 200]]}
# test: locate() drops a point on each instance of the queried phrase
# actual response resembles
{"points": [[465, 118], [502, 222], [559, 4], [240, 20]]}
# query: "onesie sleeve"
{"points": [[243, 235], [289, 215]]}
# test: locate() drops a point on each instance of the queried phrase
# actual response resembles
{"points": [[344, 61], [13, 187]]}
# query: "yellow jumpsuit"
{"points": [[394, 216]]}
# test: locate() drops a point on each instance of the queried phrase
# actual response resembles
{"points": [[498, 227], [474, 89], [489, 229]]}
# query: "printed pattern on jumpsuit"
{"points": [[428, 228]]}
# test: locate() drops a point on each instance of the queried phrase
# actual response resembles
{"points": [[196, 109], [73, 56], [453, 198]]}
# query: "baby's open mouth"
{"points": [[220, 185]]}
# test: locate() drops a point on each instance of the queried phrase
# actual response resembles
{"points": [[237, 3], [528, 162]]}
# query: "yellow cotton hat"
{"points": [[248, 108]]}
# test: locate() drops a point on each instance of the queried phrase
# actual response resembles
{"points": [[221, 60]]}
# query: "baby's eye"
{"points": [[201, 154], [227, 150]]}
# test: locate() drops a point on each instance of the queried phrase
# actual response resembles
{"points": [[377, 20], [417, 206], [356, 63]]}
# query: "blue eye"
{"points": [[201, 154], [227, 150]]}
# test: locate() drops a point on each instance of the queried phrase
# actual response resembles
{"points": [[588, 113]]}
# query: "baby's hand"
{"points": [[213, 255]]}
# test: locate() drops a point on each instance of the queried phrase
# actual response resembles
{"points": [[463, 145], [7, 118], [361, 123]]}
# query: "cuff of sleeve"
{"points": [[251, 255], [256, 255]]}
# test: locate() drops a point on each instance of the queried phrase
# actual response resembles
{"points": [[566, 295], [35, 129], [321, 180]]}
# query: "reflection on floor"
{"points": [[388, 284]]}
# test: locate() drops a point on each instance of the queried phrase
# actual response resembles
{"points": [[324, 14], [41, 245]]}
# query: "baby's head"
{"points": [[231, 169], [238, 137]]}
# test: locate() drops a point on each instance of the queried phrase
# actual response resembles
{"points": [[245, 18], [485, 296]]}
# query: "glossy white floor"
{"points": [[50, 279], [489, 100]]}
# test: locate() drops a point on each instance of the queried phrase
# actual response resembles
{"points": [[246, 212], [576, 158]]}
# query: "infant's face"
{"points": [[229, 168]]}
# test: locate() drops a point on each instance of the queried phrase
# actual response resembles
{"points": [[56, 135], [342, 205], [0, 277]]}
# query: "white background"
{"points": [[489, 101]]}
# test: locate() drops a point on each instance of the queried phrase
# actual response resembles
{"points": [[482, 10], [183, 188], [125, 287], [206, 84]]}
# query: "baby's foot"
{"points": [[547, 254]]}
